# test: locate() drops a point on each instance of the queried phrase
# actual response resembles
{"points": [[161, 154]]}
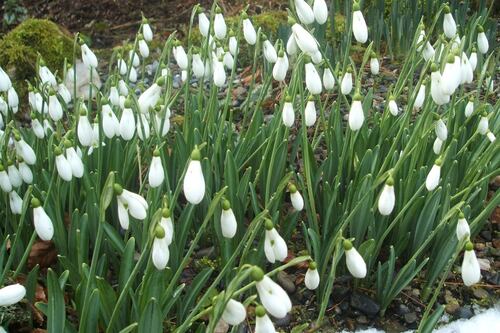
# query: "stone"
{"points": [[464, 312], [364, 304], [362, 320], [339, 293], [484, 264], [286, 281], [82, 81], [410, 317], [402, 310], [283, 322], [480, 293], [221, 327], [393, 326], [493, 278], [486, 235]]}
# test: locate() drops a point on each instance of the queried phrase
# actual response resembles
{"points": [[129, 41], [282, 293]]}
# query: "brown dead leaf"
{"points": [[42, 253]]}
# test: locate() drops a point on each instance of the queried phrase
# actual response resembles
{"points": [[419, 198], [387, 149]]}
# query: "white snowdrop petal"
{"points": [[359, 28], [123, 215], [313, 80], [471, 271], [346, 84], [12, 294], [156, 173], [228, 223], [355, 263], [127, 124], [304, 12], [387, 200], [63, 168], [249, 32], [311, 279], [43, 224], [194, 183], [432, 180], [320, 10], [264, 325], [310, 114], [463, 229], [356, 116], [234, 313], [160, 253], [297, 201]]}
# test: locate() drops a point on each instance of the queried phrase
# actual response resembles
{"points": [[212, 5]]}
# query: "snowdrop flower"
{"points": [[219, 74], [194, 183], [162, 119], [473, 59], [311, 280], [198, 66], [288, 114], [110, 123], [180, 55], [310, 112], [320, 11], [374, 64], [143, 130], [233, 43], [127, 121], [313, 80], [441, 130], [387, 198], [428, 52], [159, 251], [146, 30], [263, 323], [356, 115], [274, 299], [74, 160], [346, 83], [280, 67], [5, 82], [291, 45], [359, 28], [228, 222], [88, 57], [25, 172], [482, 127], [274, 245], [482, 41], [84, 128], [304, 12], [47, 127], [132, 76], [228, 60], [150, 96], [134, 58], [449, 25], [420, 99], [42, 222], [436, 92], [129, 203], [114, 96], [471, 271], [269, 52], [5, 184], [62, 165], [156, 173], [220, 28], [46, 75], [4, 107], [463, 230], [393, 107], [491, 136], [14, 175], [467, 73], [122, 66], [234, 313], [305, 41], [143, 47], [12, 294], [437, 146], [203, 22], [449, 77], [328, 79], [122, 87], [12, 99], [316, 57], [16, 203], [64, 93], [296, 198], [354, 261], [469, 108], [248, 30], [432, 180], [24, 150], [55, 108]]}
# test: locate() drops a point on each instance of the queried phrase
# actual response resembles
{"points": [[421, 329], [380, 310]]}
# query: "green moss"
{"points": [[20, 47]]}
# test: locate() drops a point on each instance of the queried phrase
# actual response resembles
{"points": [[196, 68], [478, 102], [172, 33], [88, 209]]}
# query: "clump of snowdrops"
{"points": [[127, 195]]}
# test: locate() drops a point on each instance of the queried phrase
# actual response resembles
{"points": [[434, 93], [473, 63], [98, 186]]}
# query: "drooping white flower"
{"points": [[234, 313], [14, 175], [228, 60], [313, 80], [42, 222], [354, 261], [449, 25], [84, 129], [304, 12], [12, 99], [161, 119], [5, 184], [387, 198], [469, 108], [180, 56], [63, 91], [249, 30], [55, 108], [311, 279], [156, 174], [203, 23], [280, 67], [269, 52], [143, 129], [5, 82], [374, 64], [146, 31], [12, 294], [296, 198], [328, 79], [420, 99], [194, 182], [346, 83], [274, 299], [467, 73], [132, 76], [220, 27], [356, 115], [62, 165], [110, 123], [134, 58], [159, 251], [393, 107], [88, 57], [275, 246], [263, 323], [436, 92], [473, 59], [127, 122], [143, 48], [291, 45], [482, 127], [219, 74], [310, 112], [432, 180], [320, 11], [449, 76], [359, 28], [134, 204], [428, 52], [37, 128], [491, 136], [437, 146], [471, 271], [233, 43], [25, 172], [288, 115], [25, 151], [482, 41], [228, 222], [441, 130], [463, 230], [122, 87], [198, 66], [150, 96], [16, 203], [74, 160], [305, 41], [46, 75]]}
